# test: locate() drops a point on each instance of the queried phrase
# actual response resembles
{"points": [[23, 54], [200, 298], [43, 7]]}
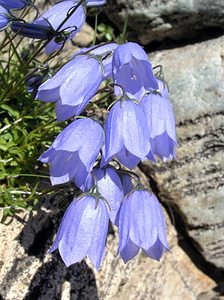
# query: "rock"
{"points": [[193, 184], [151, 20], [27, 272], [84, 37], [195, 76]]}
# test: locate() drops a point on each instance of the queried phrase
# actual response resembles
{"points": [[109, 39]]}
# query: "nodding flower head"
{"points": [[54, 18], [161, 123], [74, 151], [30, 30], [110, 187], [133, 71], [83, 231], [127, 136], [73, 86], [141, 225]]}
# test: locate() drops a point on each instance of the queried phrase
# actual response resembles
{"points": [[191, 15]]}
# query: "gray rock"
{"points": [[193, 184], [158, 19], [195, 77], [27, 272]]}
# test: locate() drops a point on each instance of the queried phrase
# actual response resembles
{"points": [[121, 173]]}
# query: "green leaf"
{"points": [[12, 112]]}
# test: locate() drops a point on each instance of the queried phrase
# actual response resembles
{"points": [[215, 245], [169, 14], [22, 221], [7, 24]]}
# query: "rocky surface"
{"points": [[191, 187], [151, 20], [193, 184], [27, 272]]}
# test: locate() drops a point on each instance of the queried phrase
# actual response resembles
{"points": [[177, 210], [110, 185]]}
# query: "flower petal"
{"points": [[129, 252], [110, 187], [82, 83], [144, 215], [76, 239], [114, 139], [97, 247], [155, 251], [135, 131], [127, 159]]}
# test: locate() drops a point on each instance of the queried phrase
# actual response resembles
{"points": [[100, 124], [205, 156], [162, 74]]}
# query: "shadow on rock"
{"points": [[54, 281], [46, 275]]}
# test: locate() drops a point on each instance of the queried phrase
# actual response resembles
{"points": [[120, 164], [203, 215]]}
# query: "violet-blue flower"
{"points": [[32, 82], [73, 86], [56, 15], [31, 30], [106, 52], [161, 123], [133, 71], [127, 136], [14, 4], [110, 187], [4, 17], [141, 225], [74, 151], [83, 231]]}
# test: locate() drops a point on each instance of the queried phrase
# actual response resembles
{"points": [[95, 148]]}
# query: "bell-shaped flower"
{"points": [[110, 187], [141, 225], [32, 82], [73, 86], [161, 123], [14, 4], [132, 70], [4, 17], [83, 231], [30, 30], [127, 136], [74, 152], [105, 52], [54, 18]]}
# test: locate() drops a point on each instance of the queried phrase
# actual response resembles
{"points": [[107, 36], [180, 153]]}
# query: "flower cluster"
{"points": [[139, 126]]}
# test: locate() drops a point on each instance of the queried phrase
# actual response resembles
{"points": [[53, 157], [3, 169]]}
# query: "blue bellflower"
{"points": [[106, 52], [4, 17], [32, 82], [127, 136], [14, 4], [161, 123], [133, 71], [74, 151], [141, 225], [83, 231], [33, 31], [110, 187], [73, 86], [55, 16]]}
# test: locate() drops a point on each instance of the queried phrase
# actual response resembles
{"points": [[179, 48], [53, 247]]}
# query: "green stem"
{"points": [[95, 29], [24, 175], [43, 46]]}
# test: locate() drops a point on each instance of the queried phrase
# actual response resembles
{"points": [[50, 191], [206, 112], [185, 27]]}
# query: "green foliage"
{"points": [[106, 32], [27, 127]]}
